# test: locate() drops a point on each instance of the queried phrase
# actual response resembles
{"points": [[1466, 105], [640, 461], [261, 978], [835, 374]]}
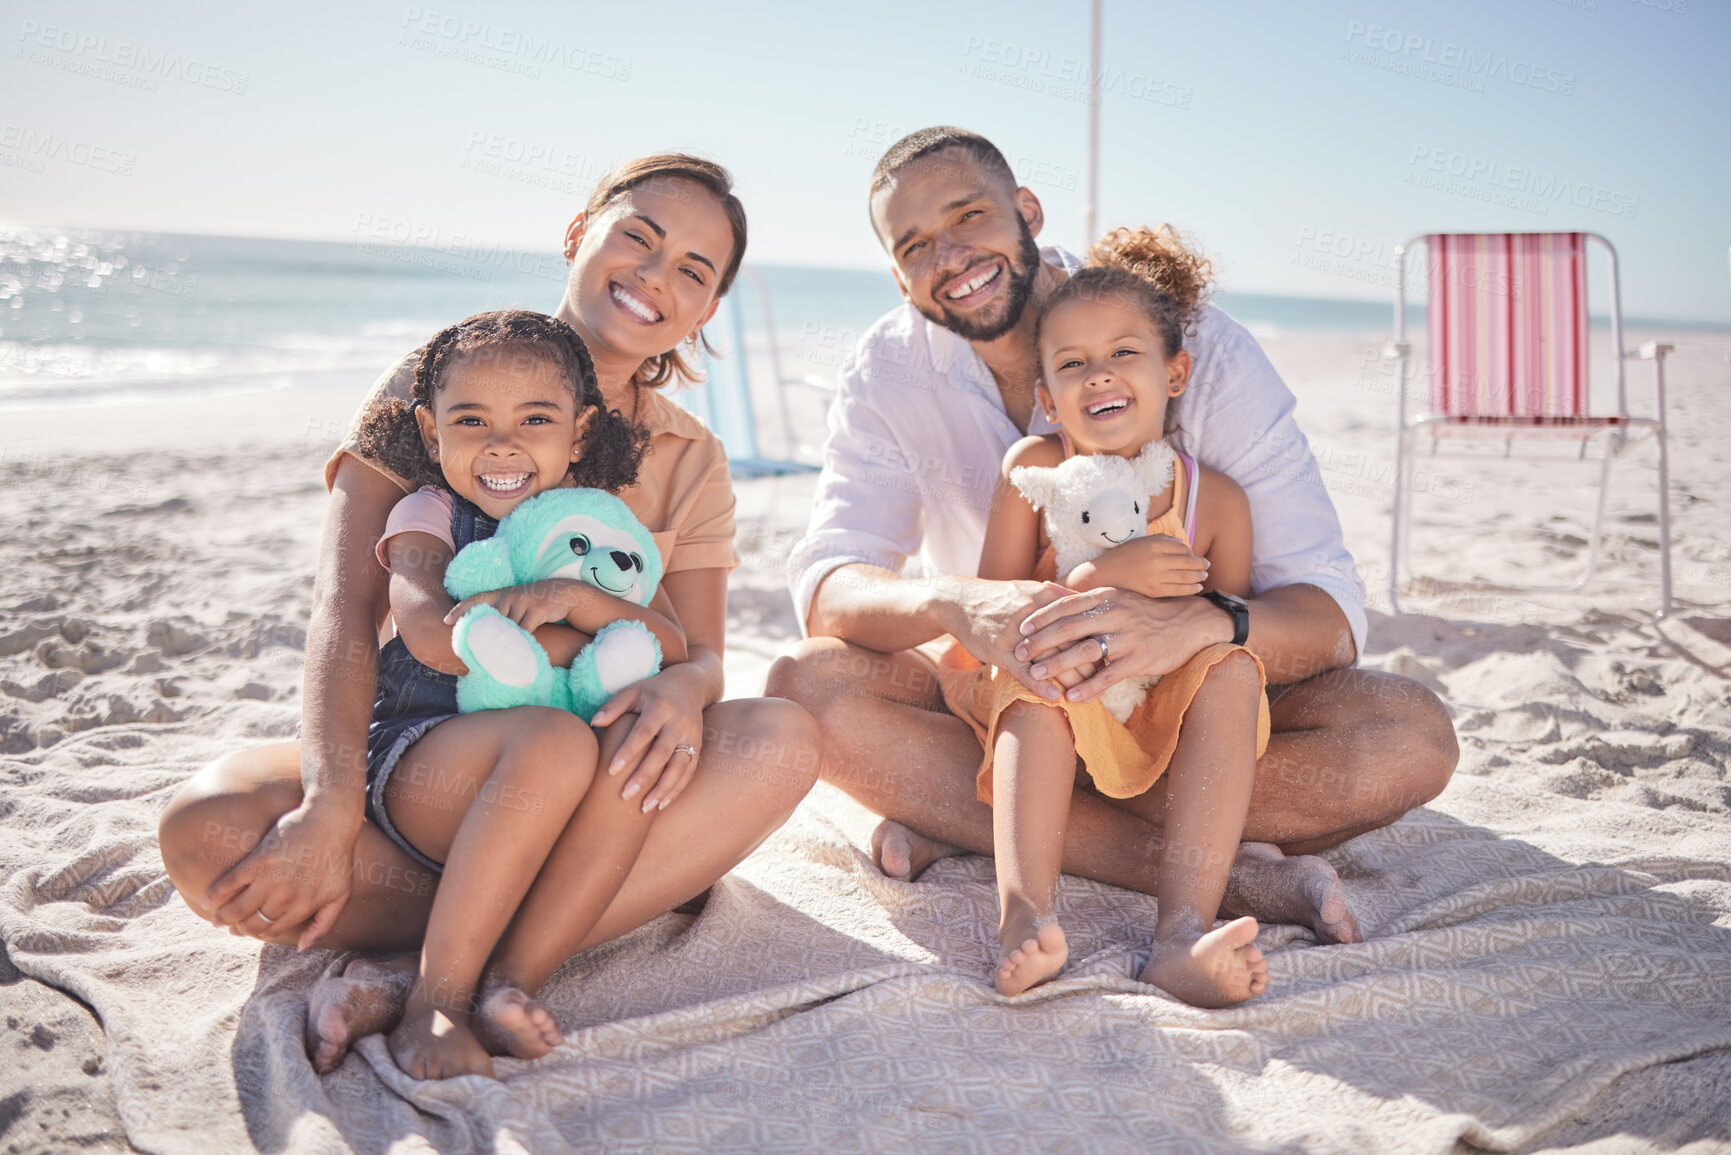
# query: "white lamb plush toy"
{"points": [[1091, 503]]}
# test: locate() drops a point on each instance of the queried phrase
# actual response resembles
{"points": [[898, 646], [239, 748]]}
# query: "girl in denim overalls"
{"points": [[506, 405]]}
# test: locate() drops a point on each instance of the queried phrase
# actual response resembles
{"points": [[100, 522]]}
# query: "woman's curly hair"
{"points": [[612, 449], [1158, 270]]}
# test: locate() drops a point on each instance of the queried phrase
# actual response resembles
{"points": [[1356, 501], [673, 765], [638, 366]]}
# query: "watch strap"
{"points": [[1237, 608]]}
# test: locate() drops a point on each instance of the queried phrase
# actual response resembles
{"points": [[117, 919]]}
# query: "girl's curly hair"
{"points": [[1157, 270], [612, 449]]}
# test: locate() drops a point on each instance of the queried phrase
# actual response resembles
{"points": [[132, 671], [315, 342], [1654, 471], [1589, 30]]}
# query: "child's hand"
{"points": [[1157, 566], [531, 605]]}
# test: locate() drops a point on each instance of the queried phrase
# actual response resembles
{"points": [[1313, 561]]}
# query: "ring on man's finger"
{"points": [[1105, 652], [267, 919]]}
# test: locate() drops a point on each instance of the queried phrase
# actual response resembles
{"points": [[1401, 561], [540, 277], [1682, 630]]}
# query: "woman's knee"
{"points": [[222, 812], [773, 741]]}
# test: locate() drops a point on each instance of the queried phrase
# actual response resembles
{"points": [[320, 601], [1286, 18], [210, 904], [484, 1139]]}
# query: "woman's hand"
{"points": [[300, 870], [661, 719], [530, 605]]}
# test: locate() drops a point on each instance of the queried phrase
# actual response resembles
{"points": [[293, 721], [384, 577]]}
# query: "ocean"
{"points": [[106, 317]]}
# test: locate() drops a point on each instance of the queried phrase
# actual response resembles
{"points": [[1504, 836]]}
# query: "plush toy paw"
{"points": [[507, 666], [1121, 698], [622, 653]]}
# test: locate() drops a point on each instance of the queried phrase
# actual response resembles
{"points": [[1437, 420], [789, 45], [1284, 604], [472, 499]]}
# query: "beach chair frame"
{"points": [[1620, 431]]}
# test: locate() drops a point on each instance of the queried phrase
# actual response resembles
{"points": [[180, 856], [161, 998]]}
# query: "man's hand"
{"points": [[301, 870], [1156, 566], [986, 618], [1145, 636]]}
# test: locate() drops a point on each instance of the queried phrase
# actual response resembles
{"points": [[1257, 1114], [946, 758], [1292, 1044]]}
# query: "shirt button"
{"points": [[1002, 425]]}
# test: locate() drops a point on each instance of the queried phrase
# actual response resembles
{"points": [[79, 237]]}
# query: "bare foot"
{"points": [[1215, 969], [1303, 890], [1036, 959], [433, 1044], [903, 854], [509, 1022], [366, 999]]}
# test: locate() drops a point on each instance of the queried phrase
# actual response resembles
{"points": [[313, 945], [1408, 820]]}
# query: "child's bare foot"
{"points": [[433, 1044], [1302, 890], [1038, 956], [1215, 969], [509, 1022], [366, 999], [903, 854]]}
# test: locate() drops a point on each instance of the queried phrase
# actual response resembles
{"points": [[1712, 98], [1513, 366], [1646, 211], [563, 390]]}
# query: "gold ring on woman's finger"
{"points": [[686, 748]]}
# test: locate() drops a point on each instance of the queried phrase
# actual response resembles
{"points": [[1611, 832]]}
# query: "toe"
{"points": [[1240, 931]]}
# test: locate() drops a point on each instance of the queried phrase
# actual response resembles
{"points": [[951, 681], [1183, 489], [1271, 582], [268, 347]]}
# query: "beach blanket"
{"points": [[1549, 954], [1525, 952]]}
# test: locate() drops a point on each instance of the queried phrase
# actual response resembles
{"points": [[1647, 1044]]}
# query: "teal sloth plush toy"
{"points": [[583, 534]]}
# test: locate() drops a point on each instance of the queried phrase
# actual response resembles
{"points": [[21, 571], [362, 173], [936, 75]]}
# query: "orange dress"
{"points": [[1124, 758]]}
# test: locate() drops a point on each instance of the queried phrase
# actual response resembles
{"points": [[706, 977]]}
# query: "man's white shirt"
{"points": [[918, 431]]}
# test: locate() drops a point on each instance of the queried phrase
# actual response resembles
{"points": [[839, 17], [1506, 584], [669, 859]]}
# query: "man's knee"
{"points": [[773, 741], [1407, 740], [1435, 749], [805, 674], [825, 674]]}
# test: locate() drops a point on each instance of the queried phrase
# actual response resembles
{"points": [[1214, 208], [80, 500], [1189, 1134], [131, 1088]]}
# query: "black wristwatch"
{"points": [[1238, 608]]}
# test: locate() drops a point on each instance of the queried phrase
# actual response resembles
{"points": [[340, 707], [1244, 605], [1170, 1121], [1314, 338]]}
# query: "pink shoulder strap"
{"points": [[1193, 478]]}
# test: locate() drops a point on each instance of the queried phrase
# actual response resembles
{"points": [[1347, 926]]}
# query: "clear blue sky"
{"points": [[1300, 141]]}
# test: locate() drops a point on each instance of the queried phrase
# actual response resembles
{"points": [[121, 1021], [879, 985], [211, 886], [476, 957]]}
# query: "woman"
{"points": [[272, 841]]}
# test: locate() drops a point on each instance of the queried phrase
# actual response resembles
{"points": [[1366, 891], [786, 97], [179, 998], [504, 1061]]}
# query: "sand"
{"points": [[160, 562]]}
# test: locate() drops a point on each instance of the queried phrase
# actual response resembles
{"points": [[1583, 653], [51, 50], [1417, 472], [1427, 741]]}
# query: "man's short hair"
{"points": [[925, 142]]}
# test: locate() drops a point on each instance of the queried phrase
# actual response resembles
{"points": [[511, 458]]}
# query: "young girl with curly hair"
{"points": [[1111, 347], [505, 406]]}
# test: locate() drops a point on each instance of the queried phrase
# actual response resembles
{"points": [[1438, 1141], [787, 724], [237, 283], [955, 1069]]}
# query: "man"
{"points": [[933, 396]]}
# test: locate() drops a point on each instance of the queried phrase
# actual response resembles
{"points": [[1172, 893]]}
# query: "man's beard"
{"points": [[1021, 272]]}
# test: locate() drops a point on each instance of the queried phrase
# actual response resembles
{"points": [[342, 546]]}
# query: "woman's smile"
{"points": [[634, 304]]}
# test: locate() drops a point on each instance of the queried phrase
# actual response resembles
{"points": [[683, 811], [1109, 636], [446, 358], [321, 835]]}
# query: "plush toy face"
{"points": [[1110, 517], [582, 534], [1094, 502], [609, 557]]}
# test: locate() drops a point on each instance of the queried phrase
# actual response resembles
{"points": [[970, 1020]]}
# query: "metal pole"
{"points": [[1091, 210]]}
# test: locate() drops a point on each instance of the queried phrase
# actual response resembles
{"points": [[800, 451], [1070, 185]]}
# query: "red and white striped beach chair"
{"points": [[1508, 359]]}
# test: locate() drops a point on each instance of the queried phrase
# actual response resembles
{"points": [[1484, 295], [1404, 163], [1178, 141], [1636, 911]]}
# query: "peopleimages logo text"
{"points": [[1449, 55], [1523, 179], [137, 57]]}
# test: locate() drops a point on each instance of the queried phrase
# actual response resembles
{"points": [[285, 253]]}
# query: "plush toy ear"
{"points": [[1039, 485], [1154, 466], [478, 567]]}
